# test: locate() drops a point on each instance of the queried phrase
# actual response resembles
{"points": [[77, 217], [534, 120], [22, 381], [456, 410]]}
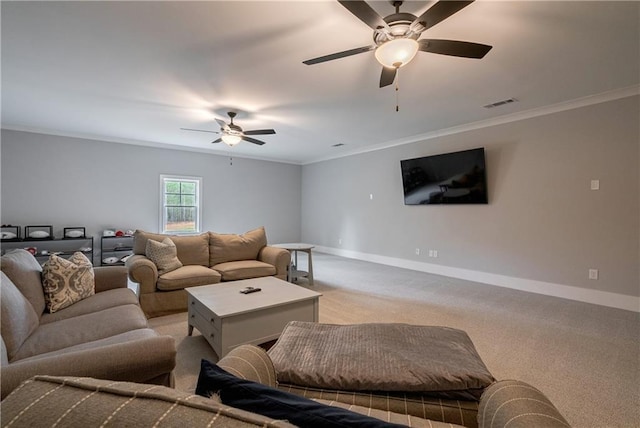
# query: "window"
{"points": [[180, 204]]}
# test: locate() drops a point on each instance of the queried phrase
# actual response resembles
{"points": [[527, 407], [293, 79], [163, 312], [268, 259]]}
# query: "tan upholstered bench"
{"points": [[505, 403]]}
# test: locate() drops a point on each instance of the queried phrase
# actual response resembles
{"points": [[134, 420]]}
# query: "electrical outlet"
{"points": [[593, 273], [339, 241], [430, 253], [417, 251], [595, 184], [371, 196], [435, 253]]}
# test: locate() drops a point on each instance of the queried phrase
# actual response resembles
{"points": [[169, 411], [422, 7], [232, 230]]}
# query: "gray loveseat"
{"points": [[104, 336]]}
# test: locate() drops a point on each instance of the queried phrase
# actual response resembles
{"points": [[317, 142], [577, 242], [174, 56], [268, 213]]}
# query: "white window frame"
{"points": [[163, 212]]}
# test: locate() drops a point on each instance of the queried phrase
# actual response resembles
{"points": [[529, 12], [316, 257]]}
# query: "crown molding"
{"points": [[603, 97], [141, 143]]}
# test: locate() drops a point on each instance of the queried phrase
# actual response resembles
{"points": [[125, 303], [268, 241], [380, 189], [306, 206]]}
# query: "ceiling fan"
{"points": [[232, 134], [396, 36]]}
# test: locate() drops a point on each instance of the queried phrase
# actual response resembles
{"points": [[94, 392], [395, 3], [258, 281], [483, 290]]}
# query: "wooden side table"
{"points": [[294, 272]]}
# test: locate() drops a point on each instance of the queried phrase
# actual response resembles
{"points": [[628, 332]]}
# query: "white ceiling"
{"points": [[136, 72]]}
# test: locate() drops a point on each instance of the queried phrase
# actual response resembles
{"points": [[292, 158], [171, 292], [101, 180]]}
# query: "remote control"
{"points": [[250, 290]]}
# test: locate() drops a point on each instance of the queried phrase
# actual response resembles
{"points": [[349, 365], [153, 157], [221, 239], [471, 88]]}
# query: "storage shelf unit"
{"points": [[115, 249], [43, 248]]}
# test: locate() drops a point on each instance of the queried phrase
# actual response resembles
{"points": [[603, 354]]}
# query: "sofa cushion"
{"points": [[128, 336], [450, 411], [82, 329], [97, 302], [66, 282], [244, 269], [110, 277], [18, 319], [87, 402], [230, 247], [4, 356], [192, 249], [26, 273], [140, 238], [392, 417], [187, 276], [276, 404], [164, 254]]}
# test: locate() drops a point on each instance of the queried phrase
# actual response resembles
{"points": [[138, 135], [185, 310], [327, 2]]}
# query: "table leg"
{"points": [[310, 274], [294, 277]]}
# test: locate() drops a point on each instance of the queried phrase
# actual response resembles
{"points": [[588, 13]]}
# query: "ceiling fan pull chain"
{"points": [[397, 89]]}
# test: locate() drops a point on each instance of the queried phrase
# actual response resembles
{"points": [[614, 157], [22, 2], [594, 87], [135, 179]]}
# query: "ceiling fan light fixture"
{"points": [[231, 140], [397, 52]]}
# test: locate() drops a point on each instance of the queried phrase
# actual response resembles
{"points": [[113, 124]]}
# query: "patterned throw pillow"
{"points": [[164, 254], [66, 282]]}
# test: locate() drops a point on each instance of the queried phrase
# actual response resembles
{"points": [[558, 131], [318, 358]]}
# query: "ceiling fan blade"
{"points": [[454, 48], [252, 140], [338, 55], [199, 130], [364, 13], [259, 132], [388, 76], [222, 123], [440, 11], [219, 140]]}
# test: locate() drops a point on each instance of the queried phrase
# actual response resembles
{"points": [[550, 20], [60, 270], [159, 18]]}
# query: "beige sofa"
{"points": [[91, 402], [104, 335], [207, 258]]}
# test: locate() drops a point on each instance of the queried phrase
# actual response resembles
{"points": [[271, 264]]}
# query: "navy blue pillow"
{"points": [[274, 403]]}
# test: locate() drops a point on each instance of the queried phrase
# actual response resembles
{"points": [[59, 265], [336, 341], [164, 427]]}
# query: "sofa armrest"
{"points": [[278, 257], [250, 362], [143, 271], [135, 361], [110, 277], [518, 405]]}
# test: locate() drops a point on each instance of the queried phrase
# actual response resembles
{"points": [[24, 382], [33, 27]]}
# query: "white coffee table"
{"points": [[227, 318]]}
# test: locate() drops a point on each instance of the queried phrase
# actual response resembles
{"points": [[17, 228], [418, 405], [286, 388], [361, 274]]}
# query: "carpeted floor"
{"points": [[586, 358]]}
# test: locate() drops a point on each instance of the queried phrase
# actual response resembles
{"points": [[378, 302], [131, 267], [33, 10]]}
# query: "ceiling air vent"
{"points": [[501, 103]]}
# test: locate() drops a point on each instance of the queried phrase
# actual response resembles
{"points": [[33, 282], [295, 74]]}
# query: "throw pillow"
{"points": [[164, 254], [276, 404], [66, 282]]}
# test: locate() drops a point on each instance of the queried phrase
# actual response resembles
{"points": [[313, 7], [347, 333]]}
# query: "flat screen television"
{"points": [[449, 178]]}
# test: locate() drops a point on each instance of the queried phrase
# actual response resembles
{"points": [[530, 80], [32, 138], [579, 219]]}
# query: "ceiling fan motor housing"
{"points": [[401, 26], [233, 128]]}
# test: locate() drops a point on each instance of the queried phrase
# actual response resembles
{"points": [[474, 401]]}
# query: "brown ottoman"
{"points": [[427, 371]]}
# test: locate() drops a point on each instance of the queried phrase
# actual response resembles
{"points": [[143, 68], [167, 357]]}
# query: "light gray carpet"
{"points": [[586, 358]]}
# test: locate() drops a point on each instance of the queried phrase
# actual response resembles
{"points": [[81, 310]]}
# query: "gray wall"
{"points": [[542, 222], [76, 182]]}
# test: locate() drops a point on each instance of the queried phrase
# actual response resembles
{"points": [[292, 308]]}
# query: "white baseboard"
{"points": [[597, 297]]}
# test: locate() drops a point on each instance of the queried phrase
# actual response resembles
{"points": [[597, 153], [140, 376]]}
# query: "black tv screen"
{"points": [[450, 178]]}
